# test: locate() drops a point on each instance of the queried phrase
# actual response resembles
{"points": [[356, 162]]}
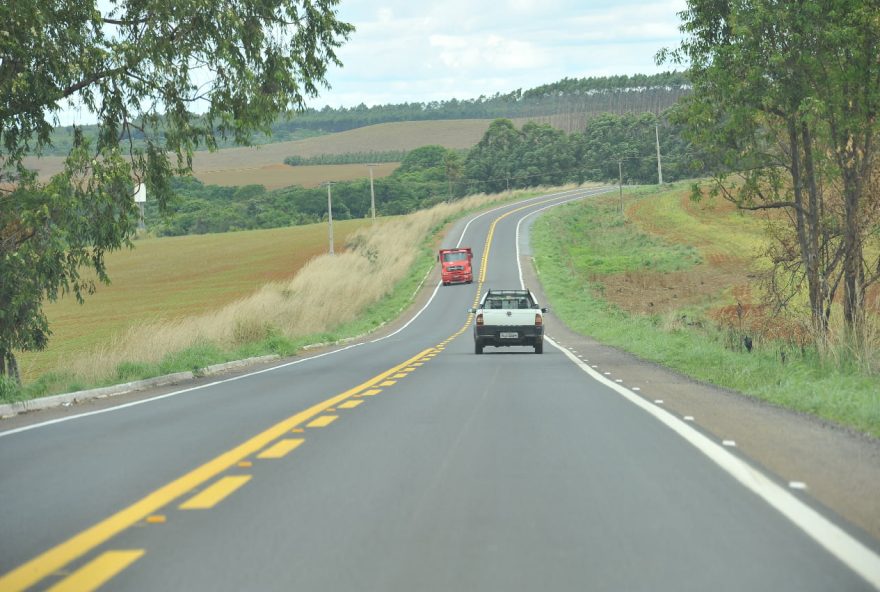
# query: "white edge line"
{"points": [[461, 238], [174, 393], [834, 539], [591, 192], [273, 368]]}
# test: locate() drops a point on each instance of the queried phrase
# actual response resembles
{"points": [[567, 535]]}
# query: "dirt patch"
{"points": [[653, 293]]}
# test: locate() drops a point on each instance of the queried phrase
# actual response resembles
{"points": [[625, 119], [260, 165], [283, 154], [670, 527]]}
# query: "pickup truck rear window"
{"points": [[509, 303]]}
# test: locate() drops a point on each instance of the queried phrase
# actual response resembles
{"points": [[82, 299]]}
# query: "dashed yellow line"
{"points": [[29, 573], [350, 404], [281, 448], [216, 493], [98, 571], [322, 422], [107, 565]]}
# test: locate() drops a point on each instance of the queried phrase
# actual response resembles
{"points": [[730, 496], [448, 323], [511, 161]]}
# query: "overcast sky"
{"points": [[406, 51], [413, 51]]}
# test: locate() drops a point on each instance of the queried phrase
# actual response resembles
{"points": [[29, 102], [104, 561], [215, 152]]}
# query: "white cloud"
{"points": [[479, 53], [409, 51]]}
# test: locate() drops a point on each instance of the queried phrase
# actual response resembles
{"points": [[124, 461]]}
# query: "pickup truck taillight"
{"points": [[480, 320], [538, 320]]}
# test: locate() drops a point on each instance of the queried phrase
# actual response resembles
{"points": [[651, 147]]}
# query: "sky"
{"points": [[410, 51], [406, 51]]}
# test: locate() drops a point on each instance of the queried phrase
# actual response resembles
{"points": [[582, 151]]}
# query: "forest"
{"points": [[568, 104], [613, 148]]}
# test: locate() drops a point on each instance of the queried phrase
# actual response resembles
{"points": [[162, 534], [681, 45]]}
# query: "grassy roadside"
{"points": [[331, 298], [578, 246]]}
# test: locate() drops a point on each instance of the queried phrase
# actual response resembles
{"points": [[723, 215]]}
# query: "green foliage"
{"points": [[575, 244], [785, 104], [123, 65], [542, 155], [613, 94], [420, 182], [9, 390], [505, 157], [347, 158], [607, 245], [48, 233]]}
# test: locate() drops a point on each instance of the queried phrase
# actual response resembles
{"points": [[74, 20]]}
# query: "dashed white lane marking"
{"points": [[658, 401], [689, 418], [618, 380], [729, 443], [835, 540], [635, 388]]}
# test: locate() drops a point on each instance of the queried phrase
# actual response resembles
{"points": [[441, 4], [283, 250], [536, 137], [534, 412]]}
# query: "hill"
{"points": [[153, 282], [264, 164]]}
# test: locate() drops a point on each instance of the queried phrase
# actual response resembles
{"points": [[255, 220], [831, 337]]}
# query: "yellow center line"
{"points": [[351, 404], [98, 571], [281, 448], [215, 493], [322, 422], [31, 572]]}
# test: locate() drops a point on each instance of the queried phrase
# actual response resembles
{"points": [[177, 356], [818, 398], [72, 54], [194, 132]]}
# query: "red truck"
{"points": [[455, 265]]}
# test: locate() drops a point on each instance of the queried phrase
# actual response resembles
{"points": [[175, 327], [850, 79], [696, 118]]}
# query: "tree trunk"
{"points": [[817, 284], [853, 273], [807, 236], [9, 366]]}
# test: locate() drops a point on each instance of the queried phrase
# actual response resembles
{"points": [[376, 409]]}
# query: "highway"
{"points": [[408, 463]]}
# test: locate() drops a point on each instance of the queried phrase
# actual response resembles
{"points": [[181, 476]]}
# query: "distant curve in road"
{"points": [[407, 463]]}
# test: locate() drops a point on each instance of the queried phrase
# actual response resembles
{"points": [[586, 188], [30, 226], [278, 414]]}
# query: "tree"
{"points": [[491, 161], [785, 103], [143, 69], [452, 164]]}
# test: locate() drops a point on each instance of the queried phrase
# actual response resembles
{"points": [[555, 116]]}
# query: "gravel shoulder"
{"points": [[840, 468]]}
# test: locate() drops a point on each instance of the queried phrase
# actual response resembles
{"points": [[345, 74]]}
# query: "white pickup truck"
{"points": [[508, 317]]}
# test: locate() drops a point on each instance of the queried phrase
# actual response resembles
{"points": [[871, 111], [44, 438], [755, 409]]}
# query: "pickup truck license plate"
{"points": [[508, 335]]}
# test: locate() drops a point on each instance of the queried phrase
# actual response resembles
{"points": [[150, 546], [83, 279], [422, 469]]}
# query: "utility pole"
{"points": [[372, 193], [620, 182], [330, 184], [659, 166]]}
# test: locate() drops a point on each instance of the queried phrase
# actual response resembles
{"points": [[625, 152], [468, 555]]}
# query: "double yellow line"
{"points": [[100, 570], [58, 557]]}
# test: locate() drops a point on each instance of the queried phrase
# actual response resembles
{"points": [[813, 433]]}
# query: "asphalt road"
{"points": [[408, 463]]}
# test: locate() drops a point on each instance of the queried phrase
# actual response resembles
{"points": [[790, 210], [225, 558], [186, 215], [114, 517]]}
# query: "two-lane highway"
{"points": [[405, 463]]}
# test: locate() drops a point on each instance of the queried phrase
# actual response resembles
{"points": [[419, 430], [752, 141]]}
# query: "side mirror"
{"points": [[545, 309]]}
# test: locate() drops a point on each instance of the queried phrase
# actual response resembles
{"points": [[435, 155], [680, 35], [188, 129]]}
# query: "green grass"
{"points": [[196, 358], [170, 277], [577, 244]]}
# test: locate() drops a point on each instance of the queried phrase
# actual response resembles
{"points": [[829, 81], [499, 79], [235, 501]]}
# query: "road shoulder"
{"points": [[839, 468]]}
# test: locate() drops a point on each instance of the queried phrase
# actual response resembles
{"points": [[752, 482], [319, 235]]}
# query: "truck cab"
{"points": [[508, 317], [455, 265]]}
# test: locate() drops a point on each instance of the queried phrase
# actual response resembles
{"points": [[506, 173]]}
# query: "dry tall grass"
{"points": [[327, 292]]}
